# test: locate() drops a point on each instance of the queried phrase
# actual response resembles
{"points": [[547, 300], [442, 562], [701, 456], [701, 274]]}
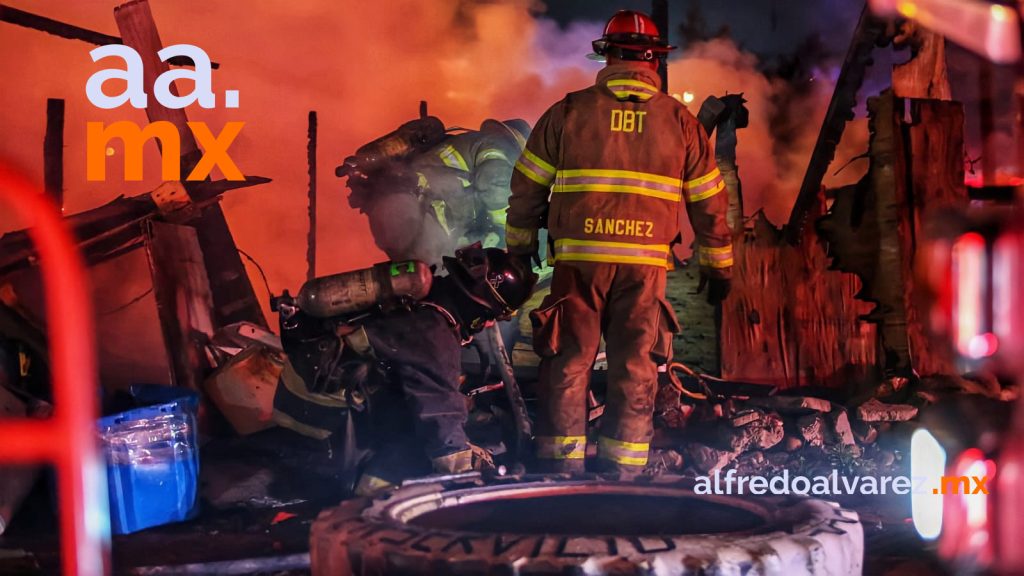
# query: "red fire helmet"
{"points": [[631, 35]]}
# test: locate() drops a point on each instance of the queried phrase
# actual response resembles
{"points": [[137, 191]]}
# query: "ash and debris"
{"points": [[806, 435]]}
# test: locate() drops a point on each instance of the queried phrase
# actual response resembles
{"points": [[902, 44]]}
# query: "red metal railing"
{"points": [[68, 440]]}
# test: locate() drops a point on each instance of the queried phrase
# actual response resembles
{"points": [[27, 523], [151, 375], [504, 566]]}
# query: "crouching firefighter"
{"points": [[374, 359]]}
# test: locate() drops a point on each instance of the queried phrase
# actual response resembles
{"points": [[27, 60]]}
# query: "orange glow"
{"points": [[907, 9]]}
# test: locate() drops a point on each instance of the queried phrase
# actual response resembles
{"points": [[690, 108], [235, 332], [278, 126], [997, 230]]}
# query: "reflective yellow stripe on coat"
{"points": [[452, 159], [536, 169], [618, 181], [715, 257], [704, 187], [516, 237], [623, 88], [569, 250]]}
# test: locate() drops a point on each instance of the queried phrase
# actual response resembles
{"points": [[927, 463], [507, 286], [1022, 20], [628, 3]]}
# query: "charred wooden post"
{"points": [[135, 21], [233, 295], [311, 161], [930, 179], [184, 303], [889, 273], [53, 151]]}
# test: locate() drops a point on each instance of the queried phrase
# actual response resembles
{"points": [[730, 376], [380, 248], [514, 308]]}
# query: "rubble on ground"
{"points": [[800, 432], [876, 411]]}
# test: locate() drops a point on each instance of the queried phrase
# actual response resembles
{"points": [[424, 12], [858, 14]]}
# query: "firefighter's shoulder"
{"points": [[686, 118]]}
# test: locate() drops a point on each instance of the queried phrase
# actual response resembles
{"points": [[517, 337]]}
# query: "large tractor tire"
{"points": [[584, 526]]}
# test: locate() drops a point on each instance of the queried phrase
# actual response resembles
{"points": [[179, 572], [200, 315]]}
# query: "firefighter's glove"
{"points": [[717, 288]]}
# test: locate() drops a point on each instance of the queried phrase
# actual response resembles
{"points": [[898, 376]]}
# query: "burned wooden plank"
{"points": [[53, 151], [135, 21], [870, 32], [72, 32], [790, 322], [109, 230], [183, 299], [233, 295]]}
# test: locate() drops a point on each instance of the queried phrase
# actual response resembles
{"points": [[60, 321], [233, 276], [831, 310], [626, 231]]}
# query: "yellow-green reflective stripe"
{"points": [[623, 94], [611, 259], [526, 171], [715, 256], [491, 154], [536, 160], [515, 236], [561, 447], [568, 242], [616, 188], [452, 159], [629, 453], [602, 173], [636, 83], [498, 216], [716, 263], [716, 249], [703, 179], [705, 195], [439, 212]]}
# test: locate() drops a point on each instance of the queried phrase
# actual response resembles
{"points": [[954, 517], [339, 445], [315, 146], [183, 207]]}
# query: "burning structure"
{"points": [[268, 448]]}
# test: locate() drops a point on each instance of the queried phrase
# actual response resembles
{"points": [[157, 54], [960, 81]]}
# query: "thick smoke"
{"points": [[364, 67], [785, 117]]}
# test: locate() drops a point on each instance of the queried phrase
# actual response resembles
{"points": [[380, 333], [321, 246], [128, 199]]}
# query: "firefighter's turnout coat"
{"points": [[606, 170], [454, 194]]}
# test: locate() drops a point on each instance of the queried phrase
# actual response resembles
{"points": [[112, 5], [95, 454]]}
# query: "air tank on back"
{"points": [[412, 137], [383, 284]]}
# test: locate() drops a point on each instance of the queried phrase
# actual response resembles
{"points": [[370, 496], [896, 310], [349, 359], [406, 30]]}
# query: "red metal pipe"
{"points": [[68, 440]]}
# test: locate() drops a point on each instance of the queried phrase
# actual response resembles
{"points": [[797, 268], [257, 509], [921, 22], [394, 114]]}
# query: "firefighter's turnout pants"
{"points": [[625, 302]]}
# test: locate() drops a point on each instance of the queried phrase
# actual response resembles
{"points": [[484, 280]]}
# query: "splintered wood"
{"points": [[790, 321], [841, 306]]}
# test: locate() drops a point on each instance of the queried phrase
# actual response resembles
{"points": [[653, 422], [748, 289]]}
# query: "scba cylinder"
{"points": [[359, 290], [410, 138]]}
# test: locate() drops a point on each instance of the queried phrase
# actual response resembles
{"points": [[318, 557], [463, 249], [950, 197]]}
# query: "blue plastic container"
{"points": [[152, 456]]}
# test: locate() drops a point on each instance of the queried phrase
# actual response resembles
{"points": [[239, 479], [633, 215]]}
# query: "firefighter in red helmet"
{"points": [[606, 171]]}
